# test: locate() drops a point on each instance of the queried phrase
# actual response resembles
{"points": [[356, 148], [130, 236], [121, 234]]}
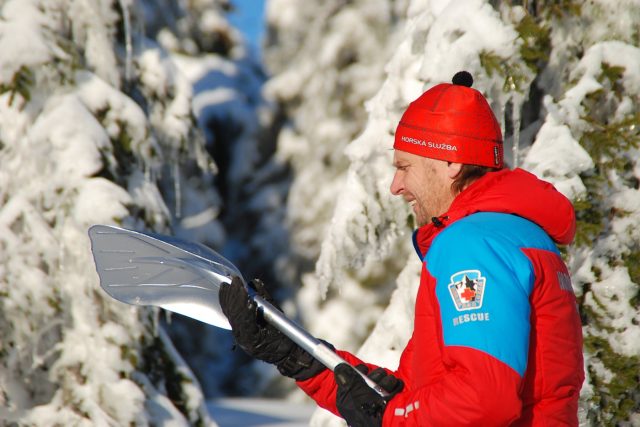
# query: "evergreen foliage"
{"points": [[19, 84], [612, 140], [85, 143]]}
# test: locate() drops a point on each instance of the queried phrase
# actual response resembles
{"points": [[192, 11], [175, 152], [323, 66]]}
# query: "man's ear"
{"points": [[453, 169]]}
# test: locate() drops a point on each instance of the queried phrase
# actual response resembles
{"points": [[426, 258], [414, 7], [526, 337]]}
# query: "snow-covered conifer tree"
{"points": [[327, 60], [239, 126], [96, 127]]}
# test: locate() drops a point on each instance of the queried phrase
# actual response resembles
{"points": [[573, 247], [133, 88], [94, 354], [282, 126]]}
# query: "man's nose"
{"points": [[397, 185]]}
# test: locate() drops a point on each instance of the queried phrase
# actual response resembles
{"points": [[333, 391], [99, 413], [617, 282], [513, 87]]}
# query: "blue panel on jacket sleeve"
{"points": [[484, 281]]}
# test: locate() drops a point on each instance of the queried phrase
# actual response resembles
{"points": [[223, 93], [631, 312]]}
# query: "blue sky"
{"points": [[249, 18]]}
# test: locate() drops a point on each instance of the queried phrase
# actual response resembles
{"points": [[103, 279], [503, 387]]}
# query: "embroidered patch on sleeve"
{"points": [[467, 289]]}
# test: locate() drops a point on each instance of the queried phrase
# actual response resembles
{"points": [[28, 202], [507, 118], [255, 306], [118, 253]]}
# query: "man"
{"points": [[497, 337]]}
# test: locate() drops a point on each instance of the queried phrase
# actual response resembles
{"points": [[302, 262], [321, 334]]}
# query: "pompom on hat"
{"points": [[452, 122]]}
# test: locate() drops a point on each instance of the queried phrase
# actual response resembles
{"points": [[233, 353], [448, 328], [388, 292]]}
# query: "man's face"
{"points": [[424, 183]]}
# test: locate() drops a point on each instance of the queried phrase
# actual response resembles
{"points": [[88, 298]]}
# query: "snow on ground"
{"points": [[246, 412]]}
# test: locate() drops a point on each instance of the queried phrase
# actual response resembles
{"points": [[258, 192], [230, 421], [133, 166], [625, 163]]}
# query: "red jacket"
{"points": [[497, 337]]}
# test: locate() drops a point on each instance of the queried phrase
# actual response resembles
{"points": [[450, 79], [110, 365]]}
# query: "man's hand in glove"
{"points": [[359, 404], [260, 339]]}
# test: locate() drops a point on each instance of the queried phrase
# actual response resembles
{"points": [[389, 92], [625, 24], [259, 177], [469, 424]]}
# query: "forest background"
{"points": [[157, 115]]}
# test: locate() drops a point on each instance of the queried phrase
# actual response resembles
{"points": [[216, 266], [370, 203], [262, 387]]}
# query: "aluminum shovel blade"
{"points": [[147, 269]]}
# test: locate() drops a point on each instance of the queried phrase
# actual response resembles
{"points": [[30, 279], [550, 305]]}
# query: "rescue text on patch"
{"points": [[473, 317]]}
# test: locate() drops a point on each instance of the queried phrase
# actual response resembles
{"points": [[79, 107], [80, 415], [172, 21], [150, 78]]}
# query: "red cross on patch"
{"points": [[468, 294]]}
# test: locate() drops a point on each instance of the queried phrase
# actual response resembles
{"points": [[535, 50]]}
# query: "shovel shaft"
{"points": [[319, 350]]}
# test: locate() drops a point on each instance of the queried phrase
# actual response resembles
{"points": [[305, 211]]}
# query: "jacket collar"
{"points": [[516, 192]]}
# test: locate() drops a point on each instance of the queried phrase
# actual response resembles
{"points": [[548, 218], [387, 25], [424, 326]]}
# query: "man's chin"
{"points": [[420, 221], [419, 218]]}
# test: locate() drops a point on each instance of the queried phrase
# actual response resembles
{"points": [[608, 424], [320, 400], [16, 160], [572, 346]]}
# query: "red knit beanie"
{"points": [[452, 122]]}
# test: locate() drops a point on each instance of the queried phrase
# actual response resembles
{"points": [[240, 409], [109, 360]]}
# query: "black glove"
{"points": [[258, 338], [359, 404]]}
